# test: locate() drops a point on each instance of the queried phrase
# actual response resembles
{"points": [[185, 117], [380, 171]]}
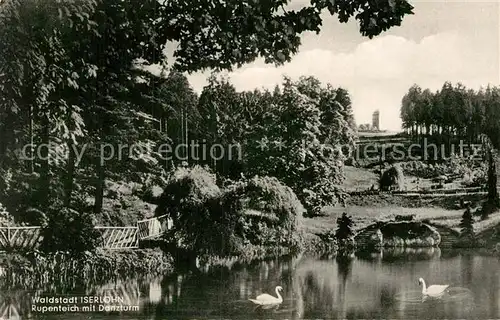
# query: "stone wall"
{"points": [[398, 234]]}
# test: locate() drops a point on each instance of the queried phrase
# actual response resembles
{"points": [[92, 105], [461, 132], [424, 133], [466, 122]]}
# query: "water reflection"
{"points": [[457, 303], [400, 254], [383, 285]]}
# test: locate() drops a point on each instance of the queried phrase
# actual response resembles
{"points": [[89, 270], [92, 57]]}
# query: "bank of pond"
{"points": [[161, 257], [159, 277]]}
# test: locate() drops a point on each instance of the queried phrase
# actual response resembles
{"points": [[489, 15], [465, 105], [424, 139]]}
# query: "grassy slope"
{"points": [[367, 209], [357, 178], [365, 215]]}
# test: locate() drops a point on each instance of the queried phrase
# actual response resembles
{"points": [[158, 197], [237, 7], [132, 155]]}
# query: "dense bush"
{"points": [[188, 188], [407, 230], [323, 194], [18, 192], [321, 244], [126, 202], [392, 179], [268, 195], [270, 212], [71, 231], [190, 199], [207, 220]]}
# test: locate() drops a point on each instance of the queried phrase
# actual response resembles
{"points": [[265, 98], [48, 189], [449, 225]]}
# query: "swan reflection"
{"points": [[453, 294]]}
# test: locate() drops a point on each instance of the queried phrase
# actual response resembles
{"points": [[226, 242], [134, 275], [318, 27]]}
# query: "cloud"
{"points": [[379, 72]]}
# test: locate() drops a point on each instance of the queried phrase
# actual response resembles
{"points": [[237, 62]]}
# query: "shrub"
{"points": [[69, 230], [188, 188], [392, 178], [18, 191], [321, 244], [466, 225], [488, 207], [64, 271], [407, 217], [190, 199], [270, 213], [345, 230], [405, 229], [268, 195], [322, 195], [146, 189], [35, 217], [122, 205], [208, 220]]}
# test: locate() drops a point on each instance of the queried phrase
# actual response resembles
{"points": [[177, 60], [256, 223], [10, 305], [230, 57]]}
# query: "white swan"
{"points": [[434, 290], [267, 299]]}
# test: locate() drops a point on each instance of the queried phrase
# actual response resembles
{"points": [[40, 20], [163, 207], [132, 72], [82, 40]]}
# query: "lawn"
{"points": [[366, 209], [365, 215], [359, 179]]}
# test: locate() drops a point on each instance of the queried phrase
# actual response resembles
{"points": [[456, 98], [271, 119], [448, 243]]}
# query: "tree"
{"points": [[466, 225], [455, 113], [309, 159], [224, 34], [223, 122], [39, 82], [426, 99], [293, 134], [69, 230], [410, 109], [57, 89], [173, 102], [345, 230]]}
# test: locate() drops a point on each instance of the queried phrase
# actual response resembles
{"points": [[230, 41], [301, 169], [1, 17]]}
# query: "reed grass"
{"points": [[69, 271]]}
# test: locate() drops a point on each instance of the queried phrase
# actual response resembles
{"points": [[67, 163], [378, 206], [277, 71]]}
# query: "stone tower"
{"points": [[376, 120]]}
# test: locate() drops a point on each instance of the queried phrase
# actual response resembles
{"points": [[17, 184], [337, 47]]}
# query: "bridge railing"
{"points": [[119, 237], [148, 228], [20, 237], [112, 237]]}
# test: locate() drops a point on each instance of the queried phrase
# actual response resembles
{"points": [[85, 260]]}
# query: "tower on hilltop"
{"points": [[376, 120]]}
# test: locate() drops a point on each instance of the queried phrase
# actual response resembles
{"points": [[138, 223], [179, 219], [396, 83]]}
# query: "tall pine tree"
{"points": [[345, 230], [466, 225]]}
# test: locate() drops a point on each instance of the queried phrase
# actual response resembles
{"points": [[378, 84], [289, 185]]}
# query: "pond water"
{"points": [[383, 285]]}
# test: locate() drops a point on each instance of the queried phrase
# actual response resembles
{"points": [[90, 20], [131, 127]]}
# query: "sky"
{"points": [[450, 40]]}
